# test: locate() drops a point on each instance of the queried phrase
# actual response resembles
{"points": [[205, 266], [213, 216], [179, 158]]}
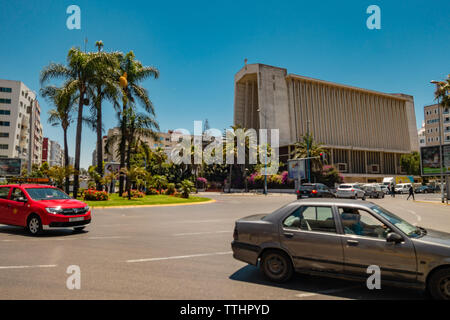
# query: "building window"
{"points": [[4, 123], [5, 89], [5, 112], [7, 101], [4, 135], [3, 147]]}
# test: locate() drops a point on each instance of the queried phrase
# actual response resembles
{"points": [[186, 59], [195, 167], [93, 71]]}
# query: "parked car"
{"points": [[402, 188], [373, 191], [384, 188], [350, 191], [39, 207], [341, 238], [314, 190], [424, 189]]}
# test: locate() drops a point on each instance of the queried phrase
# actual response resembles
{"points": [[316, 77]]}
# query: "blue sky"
{"points": [[198, 46]]}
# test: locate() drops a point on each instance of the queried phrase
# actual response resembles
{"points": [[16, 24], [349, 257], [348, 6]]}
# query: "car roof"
{"points": [[28, 185], [333, 201]]}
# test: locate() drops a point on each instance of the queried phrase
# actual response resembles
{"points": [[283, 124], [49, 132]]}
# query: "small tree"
{"points": [[160, 182], [186, 187], [134, 175]]}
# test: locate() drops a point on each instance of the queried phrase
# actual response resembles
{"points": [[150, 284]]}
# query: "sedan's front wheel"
{"points": [[34, 225], [276, 266], [439, 284]]}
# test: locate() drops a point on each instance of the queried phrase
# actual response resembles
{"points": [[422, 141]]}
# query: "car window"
{"points": [[362, 223], [311, 218], [16, 194], [4, 191]]}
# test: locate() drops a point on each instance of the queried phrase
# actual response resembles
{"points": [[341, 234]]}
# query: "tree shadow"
{"points": [[316, 287]]}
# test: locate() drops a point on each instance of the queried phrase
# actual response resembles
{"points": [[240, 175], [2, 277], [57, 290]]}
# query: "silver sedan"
{"points": [[342, 238]]}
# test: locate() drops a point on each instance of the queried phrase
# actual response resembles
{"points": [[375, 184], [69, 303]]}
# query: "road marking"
{"points": [[419, 218], [180, 257], [200, 233], [325, 292], [198, 221], [27, 267]]}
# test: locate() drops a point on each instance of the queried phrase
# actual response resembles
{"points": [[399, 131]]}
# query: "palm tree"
{"points": [[103, 86], [308, 148], [80, 69], [64, 100], [138, 126], [133, 72], [134, 175]]}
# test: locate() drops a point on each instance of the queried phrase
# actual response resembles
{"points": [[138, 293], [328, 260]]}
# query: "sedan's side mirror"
{"points": [[394, 237]]}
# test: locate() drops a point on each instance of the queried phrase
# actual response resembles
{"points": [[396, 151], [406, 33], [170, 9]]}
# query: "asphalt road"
{"points": [[179, 252]]}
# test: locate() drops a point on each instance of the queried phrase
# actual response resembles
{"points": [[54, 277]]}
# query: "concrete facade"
{"points": [[17, 103], [431, 115], [365, 132]]}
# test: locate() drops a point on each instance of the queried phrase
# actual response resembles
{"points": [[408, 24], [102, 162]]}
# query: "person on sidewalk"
{"points": [[411, 193]]}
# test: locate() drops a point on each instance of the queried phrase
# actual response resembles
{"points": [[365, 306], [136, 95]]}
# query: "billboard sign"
{"points": [[112, 167], [430, 160], [296, 169], [10, 167]]}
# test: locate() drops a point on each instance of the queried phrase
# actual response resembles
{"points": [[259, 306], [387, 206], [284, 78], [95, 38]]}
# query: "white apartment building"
{"points": [[431, 113], [422, 136], [17, 104], [52, 153]]}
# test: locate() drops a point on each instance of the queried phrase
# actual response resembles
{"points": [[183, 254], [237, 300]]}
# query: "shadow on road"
{"points": [[21, 231], [326, 288]]}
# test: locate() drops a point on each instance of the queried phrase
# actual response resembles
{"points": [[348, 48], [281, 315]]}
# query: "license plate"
{"points": [[76, 219]]}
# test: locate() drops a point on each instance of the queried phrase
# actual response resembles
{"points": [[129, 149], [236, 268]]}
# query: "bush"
{"points": [[152, 192], [186, 187], [94, 195], [171, 190], [134, 194]]}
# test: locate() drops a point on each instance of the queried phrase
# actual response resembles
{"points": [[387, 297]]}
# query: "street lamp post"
{"points": [[30, 138], [265, 153]]}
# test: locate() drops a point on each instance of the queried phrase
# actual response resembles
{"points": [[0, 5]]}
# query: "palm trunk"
{"points": [[66, 160], [99, 141], [128, 185], [122, 151], [76, 182]]}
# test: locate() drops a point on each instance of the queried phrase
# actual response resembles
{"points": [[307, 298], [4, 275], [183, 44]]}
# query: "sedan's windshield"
{"points": [[46, 194], [410, 230]]}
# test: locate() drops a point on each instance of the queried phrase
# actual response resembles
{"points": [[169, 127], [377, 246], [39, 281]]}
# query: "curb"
{"points": [[155, 205], [432, 202]]}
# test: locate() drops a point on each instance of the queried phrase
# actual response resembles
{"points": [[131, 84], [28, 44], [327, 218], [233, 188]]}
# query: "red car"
{"points": [[40, 207]]}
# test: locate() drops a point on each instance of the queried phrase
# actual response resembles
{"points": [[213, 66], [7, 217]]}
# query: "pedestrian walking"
{"points": [[411, 193]]}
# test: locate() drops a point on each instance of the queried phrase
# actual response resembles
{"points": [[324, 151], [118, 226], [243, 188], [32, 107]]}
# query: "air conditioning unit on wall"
{"points": [[342, 167], [374, 168]]}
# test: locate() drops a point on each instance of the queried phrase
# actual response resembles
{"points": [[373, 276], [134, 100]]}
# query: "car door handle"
{"points": [[352, 242], [288, 235]]}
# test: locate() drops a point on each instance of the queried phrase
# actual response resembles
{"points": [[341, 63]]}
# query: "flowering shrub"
{"points": [[152, 192], [134, 194], [202, 182], [94, 195]]}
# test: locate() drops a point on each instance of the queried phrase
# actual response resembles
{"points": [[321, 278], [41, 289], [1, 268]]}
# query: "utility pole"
{"points": [[31, 135]]}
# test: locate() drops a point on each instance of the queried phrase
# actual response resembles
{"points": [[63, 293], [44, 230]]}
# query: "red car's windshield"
{"points": [[46, 194]]}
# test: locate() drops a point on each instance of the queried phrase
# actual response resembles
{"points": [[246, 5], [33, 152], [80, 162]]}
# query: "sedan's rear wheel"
{"points": [[276, 266], [439, 284], [34, 225]]}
